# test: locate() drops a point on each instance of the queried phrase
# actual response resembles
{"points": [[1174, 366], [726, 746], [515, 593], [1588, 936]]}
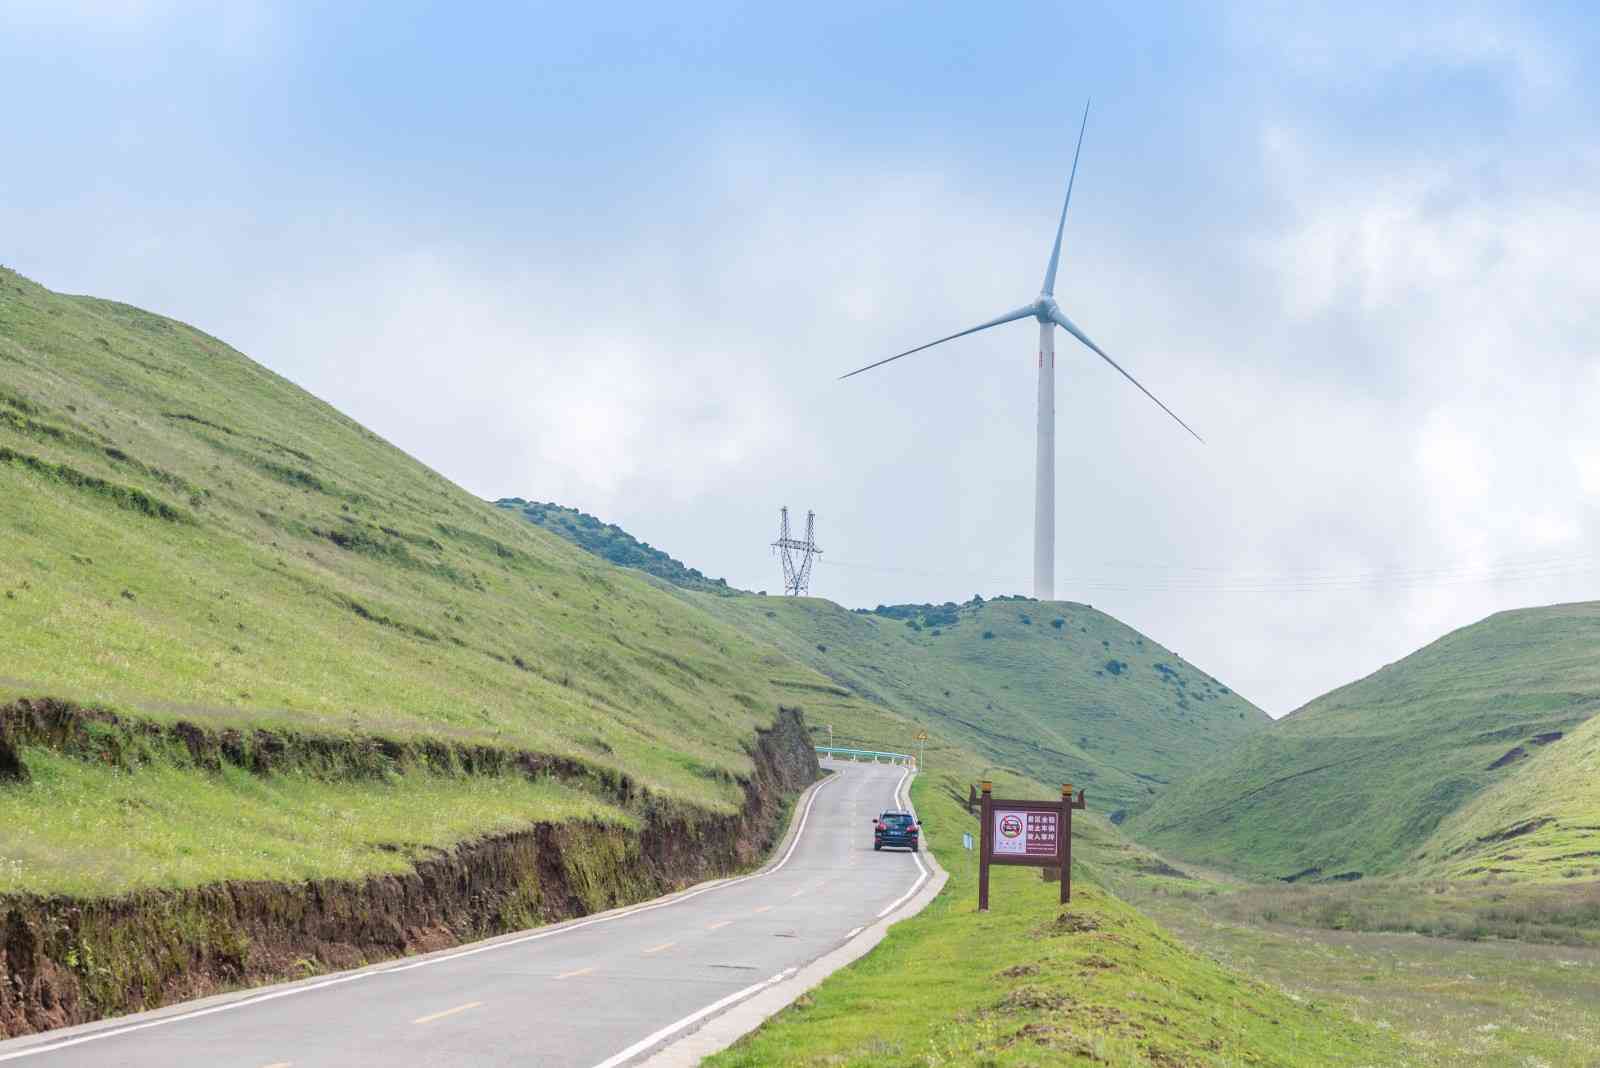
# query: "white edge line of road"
{"points": [[51, 1041], [756, 1004], [651, 1039]]}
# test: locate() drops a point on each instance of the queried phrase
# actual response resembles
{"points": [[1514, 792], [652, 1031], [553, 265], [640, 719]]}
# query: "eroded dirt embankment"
{"points": [[70, 960]]}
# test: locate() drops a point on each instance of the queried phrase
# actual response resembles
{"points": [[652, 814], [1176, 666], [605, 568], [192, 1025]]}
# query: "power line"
{"points": [[1214, 579]]}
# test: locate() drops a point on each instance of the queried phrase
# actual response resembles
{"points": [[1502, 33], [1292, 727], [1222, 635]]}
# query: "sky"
{"points": [[617, 255]]}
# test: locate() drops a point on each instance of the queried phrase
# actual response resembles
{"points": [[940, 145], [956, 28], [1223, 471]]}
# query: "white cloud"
{"points": [[1392, 357]]}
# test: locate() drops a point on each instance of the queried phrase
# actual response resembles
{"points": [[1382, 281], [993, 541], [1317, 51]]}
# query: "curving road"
{"points": [[595, 993]]}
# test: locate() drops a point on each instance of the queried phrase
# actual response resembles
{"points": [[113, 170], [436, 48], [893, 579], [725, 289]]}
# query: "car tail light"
{"points": [[882, 827]]}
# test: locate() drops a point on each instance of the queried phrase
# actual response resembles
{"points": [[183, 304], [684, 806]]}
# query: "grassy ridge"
{"points": [[230, 549], [1032, 983], [186, 536], [610, 542], [1058, 690], [1390, 773]]}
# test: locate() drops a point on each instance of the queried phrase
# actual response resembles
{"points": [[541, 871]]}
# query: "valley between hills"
{"points": [[269, 684]]}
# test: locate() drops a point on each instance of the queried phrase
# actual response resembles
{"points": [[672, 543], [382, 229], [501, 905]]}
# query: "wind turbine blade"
{"points": [[1055, 250], [1068, 325], [1010, 316]]}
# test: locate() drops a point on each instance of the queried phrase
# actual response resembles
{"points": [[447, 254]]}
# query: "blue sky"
{"points": [[615, 258]]}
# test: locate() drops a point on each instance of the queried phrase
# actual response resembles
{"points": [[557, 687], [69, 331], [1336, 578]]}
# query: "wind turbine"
{"points": [[1050, 316]]}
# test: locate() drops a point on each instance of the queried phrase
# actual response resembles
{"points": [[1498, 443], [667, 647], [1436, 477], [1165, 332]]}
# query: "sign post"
{"points": [[1034, 833]]}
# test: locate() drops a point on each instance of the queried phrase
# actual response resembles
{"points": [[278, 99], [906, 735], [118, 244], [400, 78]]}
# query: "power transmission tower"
{"points": [[797, 554]]}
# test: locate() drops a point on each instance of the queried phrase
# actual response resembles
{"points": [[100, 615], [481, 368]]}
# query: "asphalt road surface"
{"points": [[593, 994]]}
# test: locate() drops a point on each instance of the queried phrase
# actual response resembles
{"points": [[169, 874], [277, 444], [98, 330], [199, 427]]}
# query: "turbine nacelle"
{"points": [[1045, 308]]}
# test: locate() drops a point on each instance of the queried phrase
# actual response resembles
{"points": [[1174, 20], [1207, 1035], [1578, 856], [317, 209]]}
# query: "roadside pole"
{"points": [[985, 844]]}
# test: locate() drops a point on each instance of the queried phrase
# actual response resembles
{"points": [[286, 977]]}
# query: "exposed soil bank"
{"points": [[65, 961]]}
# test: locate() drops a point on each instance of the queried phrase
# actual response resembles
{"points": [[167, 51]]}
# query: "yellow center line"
{"points": [[658, 949], [577, 972], [447, 1012], [719, 923], [764, 908]]}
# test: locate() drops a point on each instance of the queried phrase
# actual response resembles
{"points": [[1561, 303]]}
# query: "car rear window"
{"points": [[896, 820]]}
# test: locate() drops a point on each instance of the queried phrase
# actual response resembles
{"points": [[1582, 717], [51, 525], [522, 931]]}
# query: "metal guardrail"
{"points": [[873, 755]]}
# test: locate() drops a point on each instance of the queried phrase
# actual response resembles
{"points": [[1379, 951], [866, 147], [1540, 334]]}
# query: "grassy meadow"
{"points": [[1474, 998], [1033, 982]]}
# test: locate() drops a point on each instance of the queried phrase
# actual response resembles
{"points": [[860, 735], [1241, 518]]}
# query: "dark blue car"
{"points": [[895, 829]]}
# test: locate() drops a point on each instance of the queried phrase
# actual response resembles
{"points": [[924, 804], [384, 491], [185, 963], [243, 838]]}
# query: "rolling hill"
{"points": [[278, 699], [249, 644], [1470, 749], [190, 540], [1057, 690]]}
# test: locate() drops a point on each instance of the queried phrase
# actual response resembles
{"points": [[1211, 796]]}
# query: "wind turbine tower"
{"points": [[1049, 316]]}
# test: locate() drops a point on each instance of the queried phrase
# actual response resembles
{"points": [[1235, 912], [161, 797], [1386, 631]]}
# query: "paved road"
{"points": [[594, 994]]}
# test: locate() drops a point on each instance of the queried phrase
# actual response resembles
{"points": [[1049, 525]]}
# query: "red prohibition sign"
{"points": [[1011, 826]]}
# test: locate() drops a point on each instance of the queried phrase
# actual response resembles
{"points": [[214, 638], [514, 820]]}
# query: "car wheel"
{"points": [[876, 846]]}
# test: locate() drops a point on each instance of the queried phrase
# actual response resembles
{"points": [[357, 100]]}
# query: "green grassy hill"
{"points": [[610, 542], [1430, 764], [187, 536], [1057, 690]]}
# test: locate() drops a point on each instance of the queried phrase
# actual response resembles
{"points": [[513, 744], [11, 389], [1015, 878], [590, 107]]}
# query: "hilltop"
{"points": [[610, 542], [1468, 750], [1057, 690]]}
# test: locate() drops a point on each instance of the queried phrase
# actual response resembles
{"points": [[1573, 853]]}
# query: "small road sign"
{"points": [[966, 840]]}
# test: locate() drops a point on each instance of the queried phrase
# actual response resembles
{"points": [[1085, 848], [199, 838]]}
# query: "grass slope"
{"points": [[1542, 822], [1388, 774], [185, 535], [1058, 690], [1030, 982]]}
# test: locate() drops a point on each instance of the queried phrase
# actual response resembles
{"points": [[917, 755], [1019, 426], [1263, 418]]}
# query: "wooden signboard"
{"points": [[1035, 833]]}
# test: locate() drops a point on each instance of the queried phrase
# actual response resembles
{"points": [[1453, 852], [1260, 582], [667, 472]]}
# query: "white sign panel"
{"points": [[1021, 833], [1010, 833]]}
